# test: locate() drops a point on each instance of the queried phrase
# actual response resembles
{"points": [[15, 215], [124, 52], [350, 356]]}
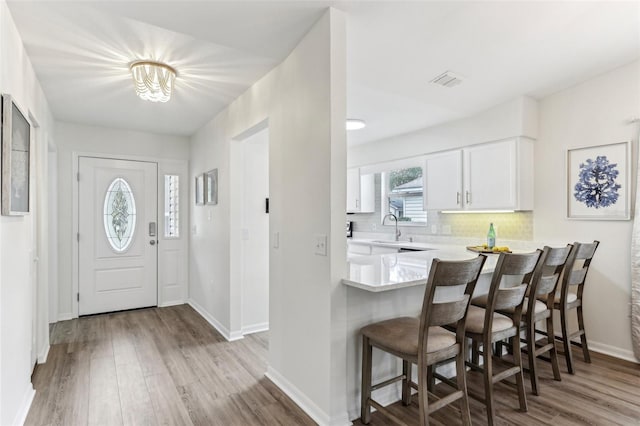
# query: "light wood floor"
{"points": [[605, 392], [168, 366], [161, 366]]}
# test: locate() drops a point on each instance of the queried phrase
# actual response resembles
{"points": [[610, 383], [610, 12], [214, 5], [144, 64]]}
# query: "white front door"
{"points": [[118, 229]]}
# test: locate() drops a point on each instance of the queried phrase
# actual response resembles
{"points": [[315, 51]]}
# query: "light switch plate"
{"points": [[321, 245]]}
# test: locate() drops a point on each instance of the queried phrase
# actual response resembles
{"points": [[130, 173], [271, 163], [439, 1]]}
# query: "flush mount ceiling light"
{"points": [[153, 80], [355, 124]]}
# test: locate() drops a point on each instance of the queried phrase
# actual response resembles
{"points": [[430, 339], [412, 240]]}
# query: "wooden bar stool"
{"points": [[537, 307], [574, 277], [424, 342], [485, 326]]}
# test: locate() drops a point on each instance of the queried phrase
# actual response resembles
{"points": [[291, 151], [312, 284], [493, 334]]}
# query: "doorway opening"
{"points": [[252, 199]]}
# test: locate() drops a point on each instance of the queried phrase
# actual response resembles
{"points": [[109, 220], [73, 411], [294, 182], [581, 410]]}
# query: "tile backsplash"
{"points": [[509, 226]]}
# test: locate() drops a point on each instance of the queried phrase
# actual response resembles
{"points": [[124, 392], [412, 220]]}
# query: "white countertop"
{"points": [[376, 273]]}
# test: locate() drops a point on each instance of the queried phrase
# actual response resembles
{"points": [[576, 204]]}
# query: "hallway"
{"points": [[156, 366]]}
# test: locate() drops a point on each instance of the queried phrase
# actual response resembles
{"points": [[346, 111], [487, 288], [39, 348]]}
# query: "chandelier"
{"points": [[153, 80]]}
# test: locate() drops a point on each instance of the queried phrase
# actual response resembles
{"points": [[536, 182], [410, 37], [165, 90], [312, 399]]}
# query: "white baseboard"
{"points": [[42, 356], [22, 413], [170, 303], [229, 336], [308, 406], [65, 317], [613, 351], [603, 348], [255, 328]]}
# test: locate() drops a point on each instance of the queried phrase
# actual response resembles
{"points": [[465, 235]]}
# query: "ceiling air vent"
{"points": [[447, 79]]}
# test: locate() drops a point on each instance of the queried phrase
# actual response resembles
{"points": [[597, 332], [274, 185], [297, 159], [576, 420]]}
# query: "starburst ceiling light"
{"points": [[153, 80]]}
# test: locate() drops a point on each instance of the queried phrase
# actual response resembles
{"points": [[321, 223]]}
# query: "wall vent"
{"points": [[447, 79]]}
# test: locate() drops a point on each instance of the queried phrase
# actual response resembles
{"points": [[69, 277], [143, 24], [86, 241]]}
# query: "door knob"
{"points": [[152, 242]]}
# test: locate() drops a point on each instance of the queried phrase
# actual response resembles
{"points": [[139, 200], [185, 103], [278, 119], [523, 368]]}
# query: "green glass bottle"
{"points": [[491, 237]]}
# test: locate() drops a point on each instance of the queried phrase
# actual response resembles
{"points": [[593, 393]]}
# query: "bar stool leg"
{"points": [[488, 381], [553, 353], [531, 351], [423, 395], [365, 410], [517, 357], [565, 340], [406, 388], [461, 378], [583, 336]]}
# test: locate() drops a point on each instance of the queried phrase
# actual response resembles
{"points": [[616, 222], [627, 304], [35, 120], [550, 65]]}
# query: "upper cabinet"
{"points": [[491, 176], [360, 192]]}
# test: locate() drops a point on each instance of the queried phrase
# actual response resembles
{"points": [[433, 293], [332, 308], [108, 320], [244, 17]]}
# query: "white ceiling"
{"points": [[81, 51]]}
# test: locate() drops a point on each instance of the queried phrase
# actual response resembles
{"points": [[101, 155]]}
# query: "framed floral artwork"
{"points": [[16, 159], [598, 182]]}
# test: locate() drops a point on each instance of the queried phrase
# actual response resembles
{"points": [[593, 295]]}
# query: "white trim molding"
{"points": [[43, 355], [255, 328], [66, 317], [23, 411], [171, 303], [307, 405], [613, 351], [229, 336]]}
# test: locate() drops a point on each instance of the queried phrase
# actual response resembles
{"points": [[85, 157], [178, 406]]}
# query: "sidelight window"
{"points": [[119, 215], [171, 206]]}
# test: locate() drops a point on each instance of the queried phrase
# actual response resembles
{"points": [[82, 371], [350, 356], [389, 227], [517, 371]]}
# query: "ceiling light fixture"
{"points": [[355, 124], [153, 80]]}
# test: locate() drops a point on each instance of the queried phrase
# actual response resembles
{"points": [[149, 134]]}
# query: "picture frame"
{"points": [[599, 182], [16, 159], [200, 190], [211, 187]]}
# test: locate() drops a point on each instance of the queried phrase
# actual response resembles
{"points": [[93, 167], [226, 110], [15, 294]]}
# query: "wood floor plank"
{"points": [[166, 400], [137, 409], [104, 398]]}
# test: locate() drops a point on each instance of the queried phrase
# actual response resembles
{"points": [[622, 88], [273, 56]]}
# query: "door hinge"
{"points": [[78, 296], [78, 236], [78, 176]]}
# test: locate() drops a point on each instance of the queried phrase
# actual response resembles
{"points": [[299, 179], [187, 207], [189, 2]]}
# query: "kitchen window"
{"points": [[402, 195]]}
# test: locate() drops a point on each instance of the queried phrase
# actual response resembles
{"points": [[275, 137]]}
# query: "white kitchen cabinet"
{"points": [[360, 192], [443, 176], [491, 176]]}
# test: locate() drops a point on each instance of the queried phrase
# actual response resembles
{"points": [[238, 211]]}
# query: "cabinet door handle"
{"points": [[468, 197], [458, 198]]}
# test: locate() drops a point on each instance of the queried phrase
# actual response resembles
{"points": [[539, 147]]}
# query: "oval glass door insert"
{"points": [[119, 215]]}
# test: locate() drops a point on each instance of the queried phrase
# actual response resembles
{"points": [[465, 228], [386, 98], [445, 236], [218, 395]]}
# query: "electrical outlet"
{"points": [[321, 245], [434, 229]]}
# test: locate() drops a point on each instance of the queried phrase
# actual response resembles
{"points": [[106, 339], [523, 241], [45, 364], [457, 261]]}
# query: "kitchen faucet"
{"points": [[398, 233]]}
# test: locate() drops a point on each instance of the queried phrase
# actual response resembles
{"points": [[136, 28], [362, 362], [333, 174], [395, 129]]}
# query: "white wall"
{"points": [[172, 151], [255, 232], [304, 101], [16, 244], [518, 117], [592, 113]]}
